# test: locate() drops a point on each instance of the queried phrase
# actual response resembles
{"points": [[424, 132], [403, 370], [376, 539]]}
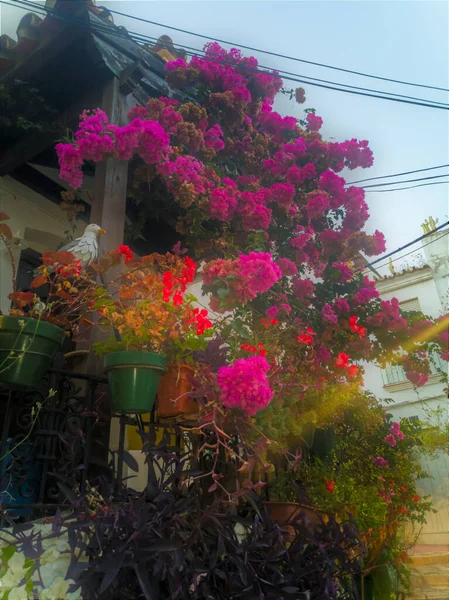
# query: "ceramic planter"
{"points": [[26, 351], [172, 396], [134, 378]]}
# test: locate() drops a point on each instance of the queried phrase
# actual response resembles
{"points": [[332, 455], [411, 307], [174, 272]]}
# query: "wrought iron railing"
{"points": [[46, 442]]}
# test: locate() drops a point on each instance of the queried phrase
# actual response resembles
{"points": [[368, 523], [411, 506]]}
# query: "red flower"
{"points": [[342, 361], [330, 486], [361, 331], [126, 252], [201, 320], [415, 498], [352, 370], [267, 322], [403, 510], [306, 338], [177, 299]]}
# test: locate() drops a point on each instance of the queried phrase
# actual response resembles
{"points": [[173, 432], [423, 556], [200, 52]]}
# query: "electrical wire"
{"points": [[406, 254], [284, 74], [422, 237], [409, 187], [375, 185], [396, 174], [276, 54]]}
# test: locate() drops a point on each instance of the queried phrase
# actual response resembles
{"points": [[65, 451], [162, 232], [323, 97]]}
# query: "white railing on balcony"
{"points": [[394, 374]]}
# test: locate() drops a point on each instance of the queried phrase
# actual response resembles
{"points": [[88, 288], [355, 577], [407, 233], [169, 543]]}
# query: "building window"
{"points": [[393, 374], [411, 305]]}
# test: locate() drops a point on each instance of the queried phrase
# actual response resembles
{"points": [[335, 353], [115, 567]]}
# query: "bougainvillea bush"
{"points": [[261, 204]]}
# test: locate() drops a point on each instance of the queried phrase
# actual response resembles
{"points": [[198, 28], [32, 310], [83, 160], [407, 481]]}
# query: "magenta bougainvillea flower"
{"points": [[244, 384]]}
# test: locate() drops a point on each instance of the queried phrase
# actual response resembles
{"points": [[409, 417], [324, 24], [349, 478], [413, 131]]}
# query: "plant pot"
{"points": [[286, 512], [134, 378], [172, 396], [26, 351]]}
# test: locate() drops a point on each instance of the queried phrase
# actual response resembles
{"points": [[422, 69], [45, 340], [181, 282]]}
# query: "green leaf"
{"points": [[222, 293], [7, 553]]}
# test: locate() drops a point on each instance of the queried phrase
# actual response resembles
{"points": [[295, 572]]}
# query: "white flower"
{"points": [[19, 593], [15, 571]]}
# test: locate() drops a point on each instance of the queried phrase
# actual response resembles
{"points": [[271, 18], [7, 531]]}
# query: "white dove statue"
{"points": [[85, 248]]}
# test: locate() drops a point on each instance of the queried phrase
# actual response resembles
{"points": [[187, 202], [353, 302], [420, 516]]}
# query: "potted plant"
{"points": [[174, 397], [33, 331], [283, 506], [153, 320]]}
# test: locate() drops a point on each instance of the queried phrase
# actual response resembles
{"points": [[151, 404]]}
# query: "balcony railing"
{"points": [[395, 374]]}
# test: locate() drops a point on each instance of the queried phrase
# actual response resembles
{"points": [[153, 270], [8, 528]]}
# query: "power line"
{"points": [[411, 251], [375, 185], [284, 74], [397, 174], [197, 52], [276, 54], [422, 237], [409, 187]]}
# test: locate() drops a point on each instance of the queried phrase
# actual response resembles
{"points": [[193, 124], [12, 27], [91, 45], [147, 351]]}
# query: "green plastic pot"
{"points": [[26, 351], [133, 379]]}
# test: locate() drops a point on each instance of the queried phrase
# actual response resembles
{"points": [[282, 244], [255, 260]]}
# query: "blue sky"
{"points": [[396, 39]]}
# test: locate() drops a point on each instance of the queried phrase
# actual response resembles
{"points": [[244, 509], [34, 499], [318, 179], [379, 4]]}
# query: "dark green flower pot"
{"points": [[133, 379], [26, 351]]}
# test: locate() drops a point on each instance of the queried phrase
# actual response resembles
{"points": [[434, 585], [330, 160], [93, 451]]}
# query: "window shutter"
{"points": [[410, 305]]}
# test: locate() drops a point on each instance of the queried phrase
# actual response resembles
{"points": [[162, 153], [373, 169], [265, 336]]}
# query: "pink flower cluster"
{"points": [[345, 273], [96, 140], [334, 185], [223, 201], [388, 317], [247, 276], [396, 434], [259, 271], [244, 384], [314, 123], [351, 154], [254, 211], [367, 293], [213, 138], [303, 288], [328, 314], [317, 205]]}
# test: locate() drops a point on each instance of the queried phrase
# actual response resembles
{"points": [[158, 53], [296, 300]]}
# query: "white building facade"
{"points": [[421, 289]]}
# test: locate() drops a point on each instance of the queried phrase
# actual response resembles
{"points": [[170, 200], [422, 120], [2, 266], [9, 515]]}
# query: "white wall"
{"points": [[36, 223], [436, 251], [407, 402]]}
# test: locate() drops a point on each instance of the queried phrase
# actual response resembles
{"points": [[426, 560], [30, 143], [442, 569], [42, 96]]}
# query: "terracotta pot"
{"points": [[285, 512], [172, 395]]}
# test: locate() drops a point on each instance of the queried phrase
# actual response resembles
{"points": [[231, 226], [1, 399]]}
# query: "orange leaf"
{"points": [[38, 281], [6, 231], [63, 294], [22, 298], [4, 217]]}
